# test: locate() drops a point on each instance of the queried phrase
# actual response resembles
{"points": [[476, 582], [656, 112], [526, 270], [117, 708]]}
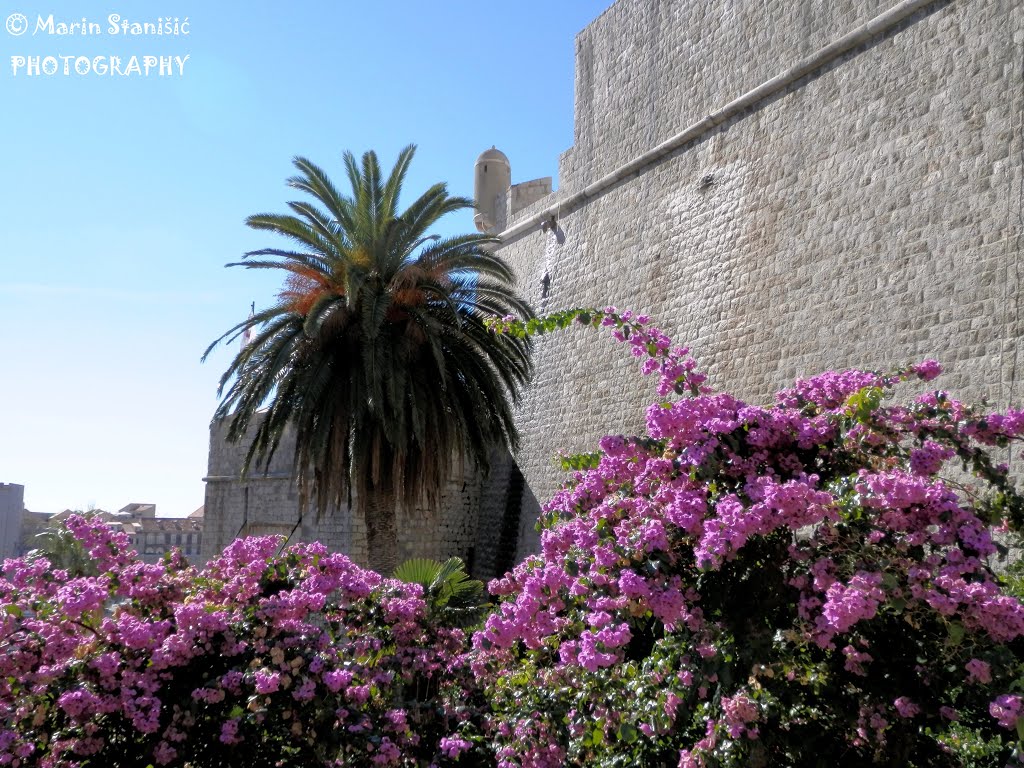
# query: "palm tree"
{"points": [[64, 551], [453, 598], [376, 350]]}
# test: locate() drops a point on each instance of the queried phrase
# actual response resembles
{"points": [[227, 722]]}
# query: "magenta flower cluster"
{"points": [[764, 585], [261, 657]]}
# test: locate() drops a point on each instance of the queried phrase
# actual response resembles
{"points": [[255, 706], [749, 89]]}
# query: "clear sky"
{"points": [[123, 195]]}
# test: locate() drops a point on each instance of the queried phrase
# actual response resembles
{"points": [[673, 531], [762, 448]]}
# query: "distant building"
{"points": [[12, 506], [151, 536], [135, 509]]}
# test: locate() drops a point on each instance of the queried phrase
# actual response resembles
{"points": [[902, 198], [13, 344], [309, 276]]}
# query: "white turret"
{"points": [[490, 190]]}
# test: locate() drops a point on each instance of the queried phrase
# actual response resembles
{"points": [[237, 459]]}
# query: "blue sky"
{"points": [[122, 197]]}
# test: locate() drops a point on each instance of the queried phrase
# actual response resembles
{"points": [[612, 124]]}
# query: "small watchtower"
{"points": [[492, 180]]}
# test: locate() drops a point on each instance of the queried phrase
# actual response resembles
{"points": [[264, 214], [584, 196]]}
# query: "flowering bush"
{"points": [[261, 659], [801, 584]]}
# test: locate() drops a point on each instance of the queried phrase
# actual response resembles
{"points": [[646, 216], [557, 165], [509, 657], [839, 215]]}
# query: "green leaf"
{"points": [[956, 632], [863, 402], [628, 733], [14, 610], [418, 570]]}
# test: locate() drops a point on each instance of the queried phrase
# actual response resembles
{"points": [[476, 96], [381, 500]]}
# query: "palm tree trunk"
{"points": [[382, 533]]}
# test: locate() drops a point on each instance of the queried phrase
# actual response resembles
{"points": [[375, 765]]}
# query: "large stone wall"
{"points": [[865, 215], [266, 501], [467, 524]]}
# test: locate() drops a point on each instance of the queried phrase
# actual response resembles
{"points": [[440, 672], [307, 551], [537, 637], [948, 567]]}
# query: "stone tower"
{"points": [[493, 177]]}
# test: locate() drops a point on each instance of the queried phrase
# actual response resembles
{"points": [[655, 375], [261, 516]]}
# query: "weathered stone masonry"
{"points": [[833, 184], [266, 503]]}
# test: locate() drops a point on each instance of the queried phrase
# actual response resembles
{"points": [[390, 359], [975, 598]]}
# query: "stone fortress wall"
{"points": [[786, 186], [266, 502]]}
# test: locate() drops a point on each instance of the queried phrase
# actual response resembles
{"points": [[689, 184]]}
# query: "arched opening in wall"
{"points": [[508, 541]]}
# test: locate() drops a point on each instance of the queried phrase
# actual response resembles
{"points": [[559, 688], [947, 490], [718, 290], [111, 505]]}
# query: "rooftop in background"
{"points": [[151, 536], [137, 509]]}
